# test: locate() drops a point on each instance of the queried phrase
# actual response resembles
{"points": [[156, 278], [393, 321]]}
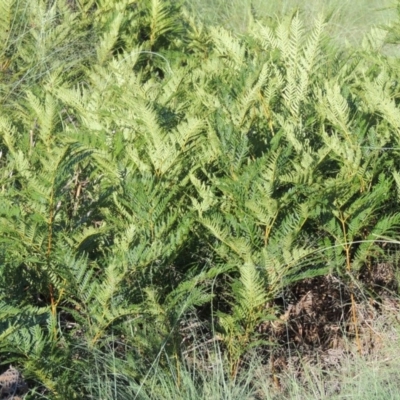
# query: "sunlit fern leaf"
{"points": [[230, 49]]}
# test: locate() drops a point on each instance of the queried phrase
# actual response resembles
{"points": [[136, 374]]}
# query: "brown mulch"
{"points": [[324, 319]]}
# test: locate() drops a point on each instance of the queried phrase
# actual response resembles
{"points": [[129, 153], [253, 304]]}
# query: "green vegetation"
{"points": [[177, 196], [349, 20]]}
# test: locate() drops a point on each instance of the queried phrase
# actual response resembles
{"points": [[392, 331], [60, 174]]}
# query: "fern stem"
{"points": [[49, 248], [269, 228], [267, 113], [347, 247], [354, 318], [52, 302]]}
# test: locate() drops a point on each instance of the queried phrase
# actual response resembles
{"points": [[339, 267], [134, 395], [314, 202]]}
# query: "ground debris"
{"points": [[12, 385]]}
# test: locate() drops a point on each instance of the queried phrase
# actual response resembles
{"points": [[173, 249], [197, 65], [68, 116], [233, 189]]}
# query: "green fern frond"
{"points": [[229, 48]]}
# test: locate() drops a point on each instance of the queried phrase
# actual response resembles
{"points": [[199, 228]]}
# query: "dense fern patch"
{"points": [[153, 169]]}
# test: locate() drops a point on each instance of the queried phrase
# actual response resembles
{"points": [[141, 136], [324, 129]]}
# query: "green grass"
{"points": [[349, 375], [348, 19]]}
